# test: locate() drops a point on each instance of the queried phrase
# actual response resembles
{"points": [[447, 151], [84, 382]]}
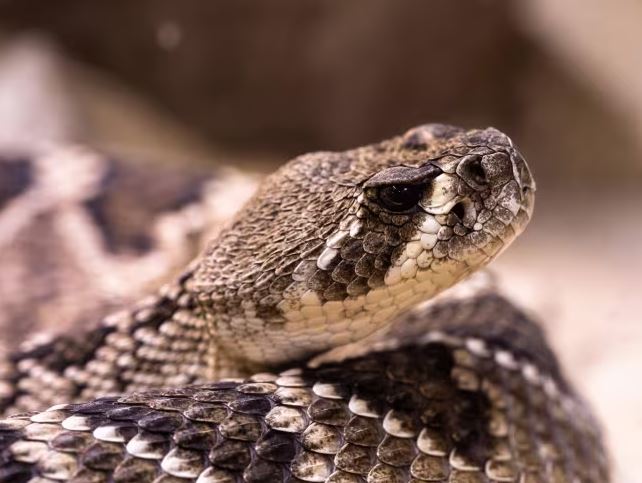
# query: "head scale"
{"points": [[334, 245]]}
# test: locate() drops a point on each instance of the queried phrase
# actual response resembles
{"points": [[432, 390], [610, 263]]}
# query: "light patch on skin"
{"points": [[28, 451], [444, 195], [142, 448], [108, 433], [327, 258], [335, 239]]}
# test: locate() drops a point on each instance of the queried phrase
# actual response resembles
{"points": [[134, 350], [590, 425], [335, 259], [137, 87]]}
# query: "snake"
{"points": [[338, 328]]}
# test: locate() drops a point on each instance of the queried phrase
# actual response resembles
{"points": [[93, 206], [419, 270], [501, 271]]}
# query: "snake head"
{"points": [[467, 200], [335, 245]]}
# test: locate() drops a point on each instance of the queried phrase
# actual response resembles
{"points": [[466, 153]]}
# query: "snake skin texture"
{"points": [[299, 307], [462, 391], [89, 233]]}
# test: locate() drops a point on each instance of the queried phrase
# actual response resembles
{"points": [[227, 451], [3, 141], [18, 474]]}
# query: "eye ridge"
{"points": [[400, 197]]}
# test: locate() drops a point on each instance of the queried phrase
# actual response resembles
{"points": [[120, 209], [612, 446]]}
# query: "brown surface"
{"points": [[291, 77], [294, 76]]}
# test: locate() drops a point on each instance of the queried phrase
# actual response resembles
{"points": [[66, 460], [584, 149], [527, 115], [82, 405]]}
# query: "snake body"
{"points": [[291, 300]]}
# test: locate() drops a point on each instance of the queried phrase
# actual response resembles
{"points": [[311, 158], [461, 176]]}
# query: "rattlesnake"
{"points": [[309, 309]]}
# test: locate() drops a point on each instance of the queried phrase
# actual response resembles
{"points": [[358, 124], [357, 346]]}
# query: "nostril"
{"points": [[476, 171], [473, 172], [459, 210]]}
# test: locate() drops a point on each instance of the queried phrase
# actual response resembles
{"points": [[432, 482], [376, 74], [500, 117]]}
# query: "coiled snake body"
{"points": [[310, 304]]}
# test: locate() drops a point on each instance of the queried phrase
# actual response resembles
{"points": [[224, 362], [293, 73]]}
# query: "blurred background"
{"points": [[251, 84]]}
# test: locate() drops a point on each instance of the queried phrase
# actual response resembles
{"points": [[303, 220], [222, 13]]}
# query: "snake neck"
{"points": [[165, 340]]}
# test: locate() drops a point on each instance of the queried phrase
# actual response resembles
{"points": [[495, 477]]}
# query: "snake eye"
{"points": [[400, 198]]}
